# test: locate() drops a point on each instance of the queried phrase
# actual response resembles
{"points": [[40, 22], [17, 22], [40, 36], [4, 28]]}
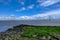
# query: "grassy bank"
{"points": [[28, 32], [41, 30]]}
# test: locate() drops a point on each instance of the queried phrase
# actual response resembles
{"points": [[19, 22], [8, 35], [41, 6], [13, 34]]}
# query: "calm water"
{"points": [[4, 25]]}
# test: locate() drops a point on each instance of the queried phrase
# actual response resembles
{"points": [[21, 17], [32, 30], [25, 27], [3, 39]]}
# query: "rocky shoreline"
{"points": [[17, 33]]}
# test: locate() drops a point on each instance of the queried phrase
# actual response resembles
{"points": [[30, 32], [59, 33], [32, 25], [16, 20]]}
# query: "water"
{"points": [[6, 24]]}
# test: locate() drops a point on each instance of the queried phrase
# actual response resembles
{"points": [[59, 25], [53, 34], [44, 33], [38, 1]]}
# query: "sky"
{"points": [[29, 9]]}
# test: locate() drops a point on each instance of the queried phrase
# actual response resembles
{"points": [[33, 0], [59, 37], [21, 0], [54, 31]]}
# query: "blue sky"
{"points": [[29, 9]]}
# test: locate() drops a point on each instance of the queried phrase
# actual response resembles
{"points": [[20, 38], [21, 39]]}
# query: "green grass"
{"points": [[30, 31]]}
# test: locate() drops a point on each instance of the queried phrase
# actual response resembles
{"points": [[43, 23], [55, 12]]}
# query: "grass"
{"points": [[30, 31]]}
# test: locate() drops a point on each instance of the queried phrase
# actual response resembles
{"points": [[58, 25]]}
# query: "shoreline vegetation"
{"points": [[30, 32]]}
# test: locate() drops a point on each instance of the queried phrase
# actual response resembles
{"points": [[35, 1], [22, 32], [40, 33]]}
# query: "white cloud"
{"points": [[10, 17], [49, 2], [22, 9], [21, 2], [31, 6], [48, 15], [55, 14], [26, 8], [23, 17]]}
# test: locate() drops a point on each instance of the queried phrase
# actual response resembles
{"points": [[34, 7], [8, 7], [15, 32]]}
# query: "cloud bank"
{"points": [[55, 14], [49, 2]]}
